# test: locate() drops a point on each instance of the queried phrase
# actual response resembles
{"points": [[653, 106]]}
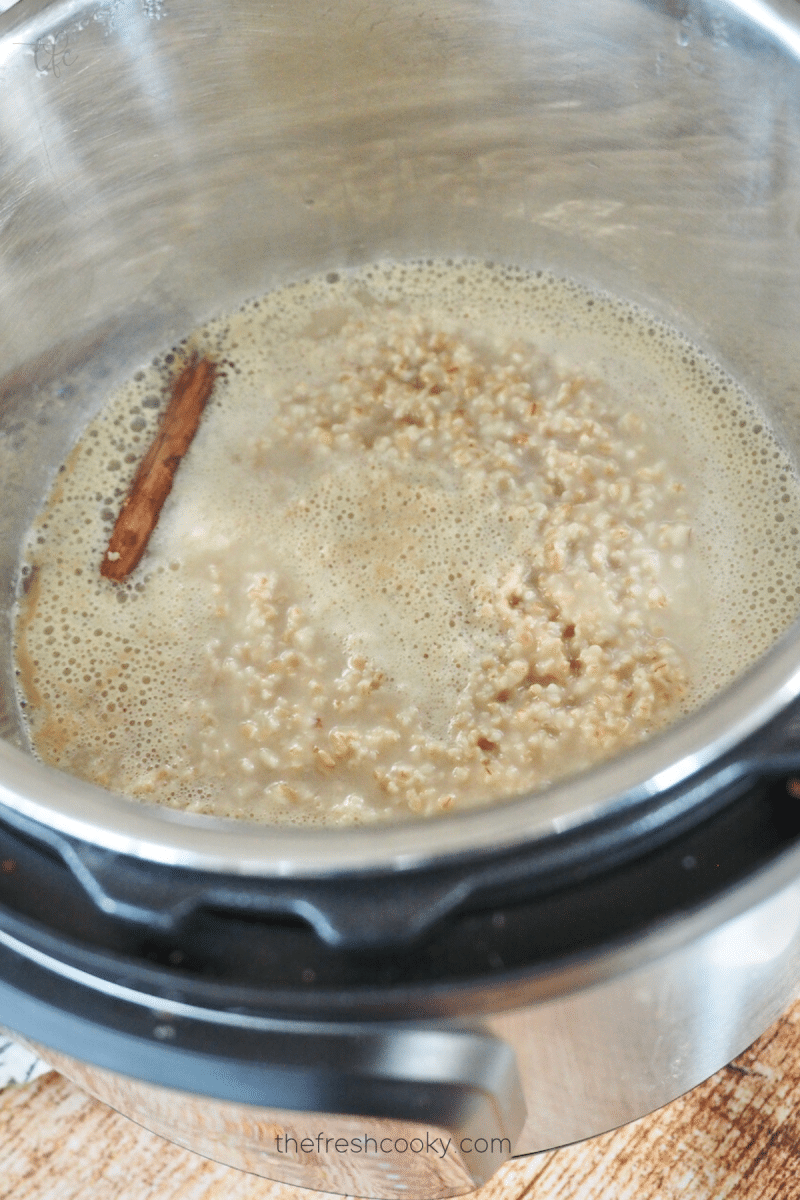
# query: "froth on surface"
{"points": [[448, 532]]}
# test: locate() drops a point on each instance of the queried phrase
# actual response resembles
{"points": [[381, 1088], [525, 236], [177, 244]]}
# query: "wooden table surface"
{"points": [[736, 1137]]}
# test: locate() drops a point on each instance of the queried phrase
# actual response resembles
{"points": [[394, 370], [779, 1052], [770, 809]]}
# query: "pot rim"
{"points": [[612, 790]]}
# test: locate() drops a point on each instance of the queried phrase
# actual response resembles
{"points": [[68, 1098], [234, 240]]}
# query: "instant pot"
{"points": [[393, 1011]]}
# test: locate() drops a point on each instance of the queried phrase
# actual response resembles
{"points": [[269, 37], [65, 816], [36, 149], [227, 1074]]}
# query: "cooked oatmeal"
{"points": [[434, 567]]}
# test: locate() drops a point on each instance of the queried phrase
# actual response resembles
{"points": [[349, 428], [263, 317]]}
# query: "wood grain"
{"points": [[736, 1137]]}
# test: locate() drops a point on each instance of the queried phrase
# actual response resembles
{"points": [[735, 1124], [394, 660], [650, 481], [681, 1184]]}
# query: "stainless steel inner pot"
{"points": [[161, 160]]}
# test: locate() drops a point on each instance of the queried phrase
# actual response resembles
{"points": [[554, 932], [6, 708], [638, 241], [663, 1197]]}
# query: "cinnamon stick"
{"points": [[153, 480]]}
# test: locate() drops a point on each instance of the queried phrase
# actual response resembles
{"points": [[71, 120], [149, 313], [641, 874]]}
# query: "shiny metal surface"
{"points": [[388, 1159], [606, 1055], [159, 163], [601, 1056], [457, 1111]]}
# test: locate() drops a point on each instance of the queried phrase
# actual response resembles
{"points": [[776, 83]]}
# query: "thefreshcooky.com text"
{"points": [[367, 1144]]}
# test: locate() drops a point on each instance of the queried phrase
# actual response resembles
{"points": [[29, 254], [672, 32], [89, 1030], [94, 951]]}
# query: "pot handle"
{"points": [[406, 1086], [381, 1110]]}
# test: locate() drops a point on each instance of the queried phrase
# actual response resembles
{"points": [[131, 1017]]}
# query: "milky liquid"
{"points": [[446, 533]]}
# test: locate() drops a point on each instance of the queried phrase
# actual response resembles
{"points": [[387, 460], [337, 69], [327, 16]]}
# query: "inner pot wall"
{"points": [[157, 166], [160, 162]]}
